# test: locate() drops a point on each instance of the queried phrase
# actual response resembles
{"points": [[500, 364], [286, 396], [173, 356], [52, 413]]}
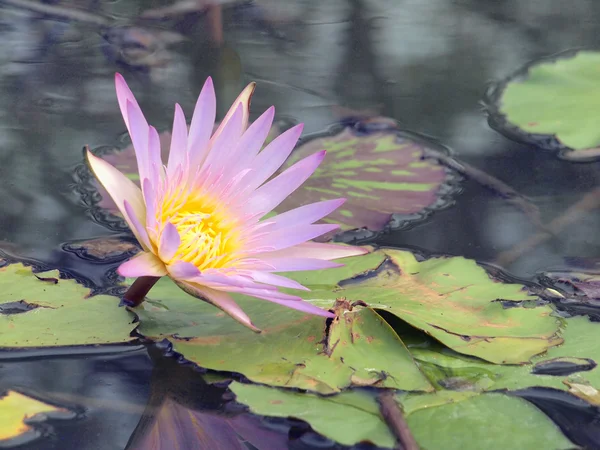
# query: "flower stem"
{"points": [[136, 293]]}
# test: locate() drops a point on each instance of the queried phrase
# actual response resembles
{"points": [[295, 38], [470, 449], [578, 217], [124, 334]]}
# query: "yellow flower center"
{"points": [[209, 236]]}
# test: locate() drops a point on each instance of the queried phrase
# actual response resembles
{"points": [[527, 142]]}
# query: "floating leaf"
{"points": [[467, 422], [554, 102], [380, 173], [455, 301], [570, 366], [44, 311], [442, 420], [347, 418], [294, 349], [18, 412]]}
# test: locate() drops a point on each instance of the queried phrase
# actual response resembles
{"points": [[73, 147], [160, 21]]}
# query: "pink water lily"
{"points": [[200, 219]]}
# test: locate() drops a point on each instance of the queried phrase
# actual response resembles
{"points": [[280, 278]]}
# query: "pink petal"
{"points": [[150, 199], [139, 131], [287, 300], [227, 282], [138, 229], [124, 95], [284, 264], [272, 193], [251, 141], [221, 300], [243, 100], [120, 188], [316, 250], [222, 145], [169, 242], [306, 214], [182, 270], [276, 280], [290, 236], [274, 155], [154, 157], [179, 137], [203, 122], [144, 264]]}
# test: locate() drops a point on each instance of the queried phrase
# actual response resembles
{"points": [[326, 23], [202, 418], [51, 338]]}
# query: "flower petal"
{"points": [[169, 242], [304, 215], [284, 264], [203, 122], [272, 193], [289, 236], [179, 138], [243, 100], [276, 280], [139, 133], [124, 95], [138, 229], [182, 270], [120, 188], [251, 142], [144, 264], [287, 300], [273, 156], [221, 300], [316, 250]]}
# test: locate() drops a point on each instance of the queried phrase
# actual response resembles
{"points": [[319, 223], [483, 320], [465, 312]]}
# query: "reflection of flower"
{"points": [[198, 219]]}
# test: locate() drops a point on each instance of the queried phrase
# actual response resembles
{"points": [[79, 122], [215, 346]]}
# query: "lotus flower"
{"points": [[200, 219]]}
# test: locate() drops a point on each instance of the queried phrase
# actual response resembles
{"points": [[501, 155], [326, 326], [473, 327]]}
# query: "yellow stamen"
{"points": [[209, 236]]}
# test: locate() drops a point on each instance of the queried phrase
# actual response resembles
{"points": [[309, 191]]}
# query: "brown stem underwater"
{"points": [[136, 293]]}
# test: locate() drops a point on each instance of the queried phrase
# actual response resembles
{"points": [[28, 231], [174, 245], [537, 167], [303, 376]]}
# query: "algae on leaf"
{"points": [[46, 311]]}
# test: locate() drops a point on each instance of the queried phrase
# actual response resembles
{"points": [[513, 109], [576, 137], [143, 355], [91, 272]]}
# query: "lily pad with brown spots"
{"points": [[294, 349], [381, 173]]}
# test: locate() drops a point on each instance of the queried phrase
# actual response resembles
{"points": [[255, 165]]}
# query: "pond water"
{"points": [[425, 63]]}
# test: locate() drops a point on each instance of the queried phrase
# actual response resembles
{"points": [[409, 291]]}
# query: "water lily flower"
{"points": [[200, 219]]}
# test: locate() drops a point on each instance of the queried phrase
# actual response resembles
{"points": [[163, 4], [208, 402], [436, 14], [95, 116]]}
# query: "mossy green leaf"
{"points": [[347, 418], [558, 97], [441, 420], [49, 311], [293, 350]]}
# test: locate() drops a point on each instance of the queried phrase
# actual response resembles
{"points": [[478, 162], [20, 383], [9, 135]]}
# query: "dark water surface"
{"points": [[425, 63]]}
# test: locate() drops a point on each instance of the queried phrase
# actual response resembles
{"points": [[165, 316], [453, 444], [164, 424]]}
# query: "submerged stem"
{"points": [[136, 293]]}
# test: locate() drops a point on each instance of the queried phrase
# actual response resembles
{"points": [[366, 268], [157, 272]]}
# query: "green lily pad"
{"points": [[347, 418], [441, 420], [18, 412], [380, 173], [294, 349], [455, 301], [466, 422], [46, 311], [572, 363], [553, 102]]}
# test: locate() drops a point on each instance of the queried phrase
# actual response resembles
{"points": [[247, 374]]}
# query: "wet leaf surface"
{"points": [[294, 349], [553, 103], [347, 418], [380, 173], [455, 301], [56, 312], [17, 414], [576, 358], [461, 420]]}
